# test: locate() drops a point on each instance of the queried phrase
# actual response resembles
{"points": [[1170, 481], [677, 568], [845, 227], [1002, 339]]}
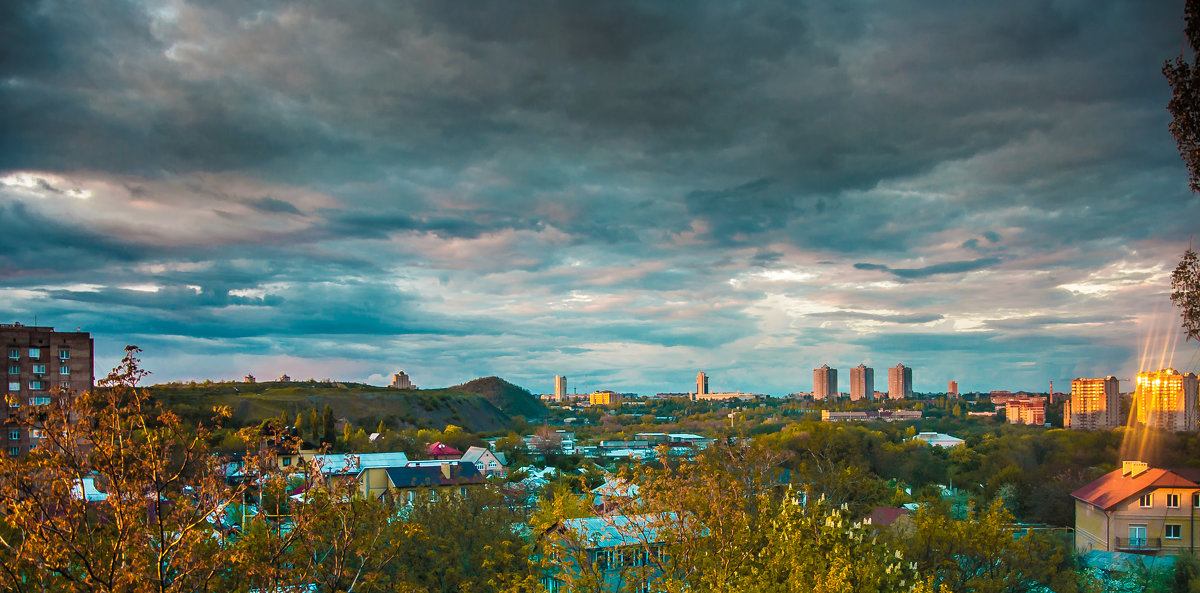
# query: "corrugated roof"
{"points": [[1113, 488], [618, 530]]}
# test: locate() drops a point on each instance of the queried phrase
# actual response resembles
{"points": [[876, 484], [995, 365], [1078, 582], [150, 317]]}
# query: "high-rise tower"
{"points": [[701, 383], [560, 388], [1094, 404], [1166, 399], [899, 382], [825, 382], [862, 383]]}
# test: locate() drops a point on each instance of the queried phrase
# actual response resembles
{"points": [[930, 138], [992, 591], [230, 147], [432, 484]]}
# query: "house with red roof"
{"points": [[1139, 509], [440, 450]]}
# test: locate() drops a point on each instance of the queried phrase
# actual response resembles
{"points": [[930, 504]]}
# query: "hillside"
{"points": [[364, 405], [509, 398]]}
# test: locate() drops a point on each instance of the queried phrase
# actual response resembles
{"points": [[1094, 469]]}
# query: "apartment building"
{"points": [[1026, 410], [900, 382], [1166, 399], [862, 383], [825, 382], [1095, 404], [42, 364]]}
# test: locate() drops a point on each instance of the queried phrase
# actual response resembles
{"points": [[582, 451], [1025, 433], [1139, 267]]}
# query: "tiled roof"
{"points": [[1113, 488]]}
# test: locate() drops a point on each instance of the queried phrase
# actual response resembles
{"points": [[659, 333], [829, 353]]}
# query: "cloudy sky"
{"points": [[621, 193]]}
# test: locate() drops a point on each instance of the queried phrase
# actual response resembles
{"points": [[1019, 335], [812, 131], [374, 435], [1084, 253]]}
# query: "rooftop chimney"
{"points": [[1133, 469]]}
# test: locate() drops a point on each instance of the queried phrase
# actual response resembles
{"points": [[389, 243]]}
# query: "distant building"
{"points": [[938, 439], [701, 384], [248, 378], [1029, 410], [1166, 399], [401, 380], [604, 398], [42, 365], [560, 388], [862, 383], [900, 382], [728, 396], [952, 389], [1095, 404], [284, 378], [825, 382], [870, 415]]}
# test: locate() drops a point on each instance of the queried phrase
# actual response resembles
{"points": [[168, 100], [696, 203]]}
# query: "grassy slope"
{"points": [[511, 399], [363, 405]]}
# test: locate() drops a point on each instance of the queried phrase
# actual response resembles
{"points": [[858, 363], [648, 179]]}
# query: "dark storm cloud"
{"points": [[32, 244], [509, 156], [954, 267]]}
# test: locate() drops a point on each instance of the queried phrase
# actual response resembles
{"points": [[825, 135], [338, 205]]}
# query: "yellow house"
{"points": [[1139, 509]]}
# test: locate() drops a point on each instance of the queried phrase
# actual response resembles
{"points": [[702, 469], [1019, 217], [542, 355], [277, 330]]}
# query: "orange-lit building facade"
{"points": [[1166, 399], [1095, 404], [1030, 410]]}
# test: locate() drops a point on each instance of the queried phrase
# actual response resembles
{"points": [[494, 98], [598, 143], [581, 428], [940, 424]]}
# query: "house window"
{"points": [[35, 353], [14, 451], [14, 435], [1172, 531], [14, 354], [35, 384], [64, 355], [64, 370], [287, 461], [1145, 500], [1196, 501], [14, 385], [39, 369], [14, 369], [1172, 501]]}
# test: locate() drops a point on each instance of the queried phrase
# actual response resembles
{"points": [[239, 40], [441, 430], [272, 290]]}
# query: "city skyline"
{"points": [[616, 193]]}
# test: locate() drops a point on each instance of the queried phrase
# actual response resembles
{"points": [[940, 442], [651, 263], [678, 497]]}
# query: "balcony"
{"points": [[1139, 544]]}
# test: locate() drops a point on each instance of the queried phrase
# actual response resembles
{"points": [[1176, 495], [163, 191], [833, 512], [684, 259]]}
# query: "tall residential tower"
{"points": [[900, 382], [560, 388], [1094, 404], [862, 383], [1166, 399], [825, 382]]}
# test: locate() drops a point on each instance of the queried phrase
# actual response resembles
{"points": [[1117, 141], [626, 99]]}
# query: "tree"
{"points": [[119, 496], [1185, 291], [328, 426], [1184, 78], [982, 553]]}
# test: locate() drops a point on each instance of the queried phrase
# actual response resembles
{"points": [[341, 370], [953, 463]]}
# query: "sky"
{"points": [[621, 193]]}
